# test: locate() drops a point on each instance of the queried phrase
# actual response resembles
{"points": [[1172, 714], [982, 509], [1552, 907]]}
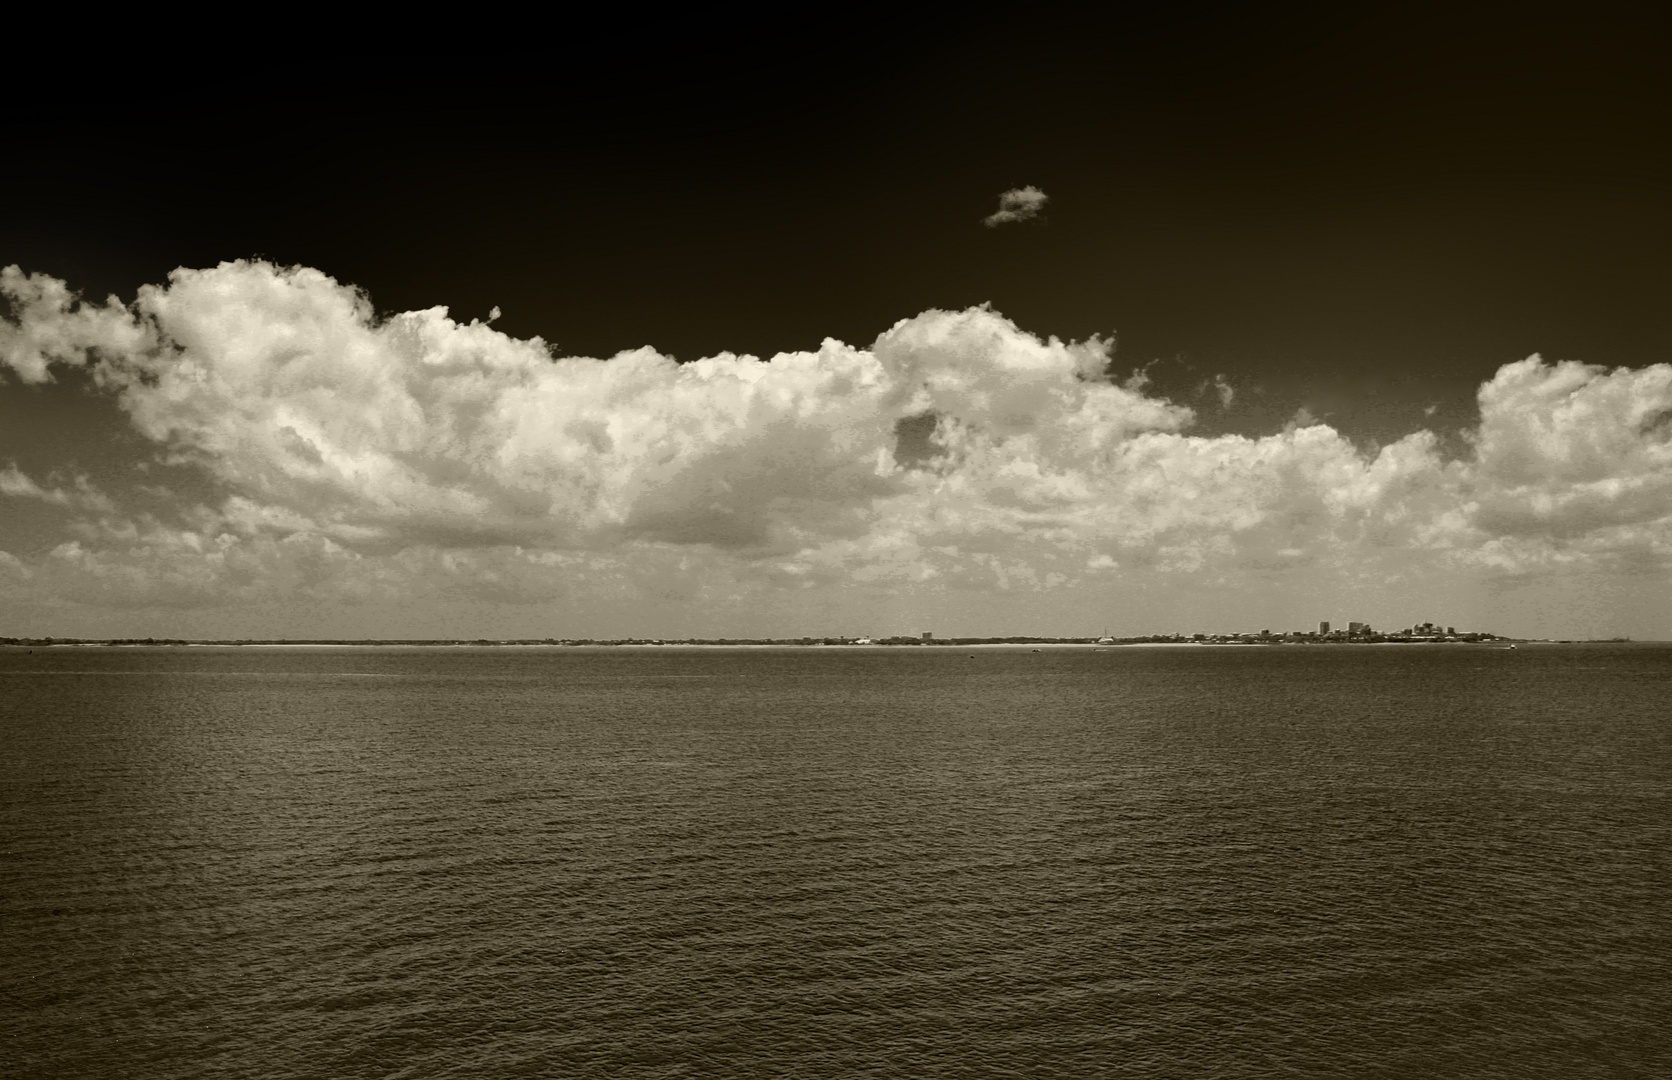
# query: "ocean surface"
{"points": [[1340, 861]]}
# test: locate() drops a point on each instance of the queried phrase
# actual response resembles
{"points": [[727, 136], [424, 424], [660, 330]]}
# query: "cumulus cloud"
{"points": [[1573, 459], [81, 495], [366, 459], [1017, 204], [50, 325]]}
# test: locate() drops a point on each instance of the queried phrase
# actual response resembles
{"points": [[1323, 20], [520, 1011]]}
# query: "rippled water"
{"points": [[1333, 862]]}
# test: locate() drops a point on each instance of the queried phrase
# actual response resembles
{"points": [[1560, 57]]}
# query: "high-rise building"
{"points": [[1358, 628], [928, 635], [1323, 628]]}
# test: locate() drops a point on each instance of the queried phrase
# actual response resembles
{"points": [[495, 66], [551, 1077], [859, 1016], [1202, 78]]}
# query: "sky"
{"points": [[1185, 317]]}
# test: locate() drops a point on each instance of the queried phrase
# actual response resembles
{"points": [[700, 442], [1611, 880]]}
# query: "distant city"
{"points": [[1326, 634], [1354, 633]]}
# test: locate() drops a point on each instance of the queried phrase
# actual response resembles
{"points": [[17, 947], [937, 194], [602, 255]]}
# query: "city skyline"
{"points": [[1356, 631]]}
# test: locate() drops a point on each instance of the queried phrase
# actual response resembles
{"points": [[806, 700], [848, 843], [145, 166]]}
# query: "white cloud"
{"points": [[1017, 204], [1226, 394], [49, 325], [1569, 449], [419, 457], [16, 484]]}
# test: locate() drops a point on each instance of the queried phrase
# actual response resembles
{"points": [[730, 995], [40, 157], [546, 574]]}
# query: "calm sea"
{"points": [[1402, 861]]}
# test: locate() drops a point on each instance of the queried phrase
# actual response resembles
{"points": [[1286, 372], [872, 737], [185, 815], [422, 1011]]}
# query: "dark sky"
{"points": [[1359, 209]]}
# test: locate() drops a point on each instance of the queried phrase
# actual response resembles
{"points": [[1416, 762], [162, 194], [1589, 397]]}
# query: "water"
{"points": [[1402, 861]]}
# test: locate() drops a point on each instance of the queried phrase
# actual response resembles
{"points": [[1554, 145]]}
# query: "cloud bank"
{"points": [[416, 457]]}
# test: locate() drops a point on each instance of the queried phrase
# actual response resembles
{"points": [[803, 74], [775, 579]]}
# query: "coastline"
{"points": [[30, 644]]}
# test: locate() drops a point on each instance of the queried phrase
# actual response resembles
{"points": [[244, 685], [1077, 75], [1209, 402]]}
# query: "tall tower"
{"points": [[1323, 628]]}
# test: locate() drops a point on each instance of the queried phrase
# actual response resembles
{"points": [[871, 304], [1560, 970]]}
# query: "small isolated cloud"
{"points": [[1222, 389], [1017, 204]]}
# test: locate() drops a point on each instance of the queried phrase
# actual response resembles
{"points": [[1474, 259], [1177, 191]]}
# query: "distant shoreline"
{"points": [[63, 643]]}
